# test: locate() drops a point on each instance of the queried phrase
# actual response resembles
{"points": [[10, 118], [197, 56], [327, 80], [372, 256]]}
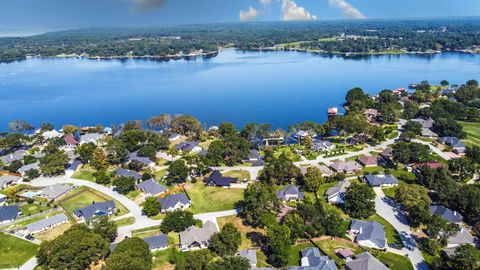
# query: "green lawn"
{"points": [[403, 175], [288, 151], [473, 133], [242, 228], [24, 223], [392, 235], [164, 259], [393, 261], [390, 192], [31, 209], [239, 174], [14, 251], [125, 221], [211, 199], [85, 174], [160, 174], [328, 247], [295, 255]]}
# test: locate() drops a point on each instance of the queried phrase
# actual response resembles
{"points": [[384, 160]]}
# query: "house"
{"points": [[372, 115], [434, 165], [52, 134], [7, 180], [174, 137], [290, 193], [386, 180], [428, 133], [326, 171], [107, 208], [250, 255], [47, 224], [387, 153], [365, 261], [53, 192], [320, 145], [336, 194], [344, 253], [144, 160], [189, 147], [254, 155], [368, 161], [426, 123], [157, 242], [346, 167], [70, 140], [151, 188], [9, 213], [445, 213], [197, 238], [368, 233], [302, 135], [127, 173], [457, 146], [25, 168], [173, 202], [3, 199], [462, 237], [91, 138], [313, 260], [218, 180], [15, 156]]}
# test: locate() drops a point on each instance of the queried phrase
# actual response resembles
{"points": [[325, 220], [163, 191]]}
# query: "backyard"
{"points": [[85, 174], [14, 251], [244, 229], [239, 174], [473, 133], [32, 208], [211, 199]]}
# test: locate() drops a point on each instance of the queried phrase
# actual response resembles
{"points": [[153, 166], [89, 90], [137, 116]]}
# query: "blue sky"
{"points": [[38, 15]]}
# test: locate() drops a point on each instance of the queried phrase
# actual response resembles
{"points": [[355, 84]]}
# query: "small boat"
{"points": [[412, 85]]}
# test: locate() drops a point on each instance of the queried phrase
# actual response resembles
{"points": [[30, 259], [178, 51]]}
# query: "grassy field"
{"points": [[390, 192], [84, 196], [393, 261], [392, 235], [31, 209], [473, 133], [239, 174], [14, 252], [53, 233], [237, 221], [295, 255], [85, 174], [163, 259], [328, 247], [211, 199], [125, 221], [288, 151]]}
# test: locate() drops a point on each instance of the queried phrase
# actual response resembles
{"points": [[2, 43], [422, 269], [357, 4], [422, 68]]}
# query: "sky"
{"points": [[30, 16]]}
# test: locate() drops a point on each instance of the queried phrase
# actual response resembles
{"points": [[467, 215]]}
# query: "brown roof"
{"points": [[368, 160], [431, 165]]}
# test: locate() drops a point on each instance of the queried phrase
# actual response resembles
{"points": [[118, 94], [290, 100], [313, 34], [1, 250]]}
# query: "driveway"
{"points": [[444, 155], [386, 208]]}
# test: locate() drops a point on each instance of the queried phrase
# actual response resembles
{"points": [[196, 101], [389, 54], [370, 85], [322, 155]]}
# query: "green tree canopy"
{"points": [[131, 253], [359, 201], [227, 241]]}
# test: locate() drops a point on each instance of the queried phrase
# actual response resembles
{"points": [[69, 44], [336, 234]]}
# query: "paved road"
{"points": [[29, 265], [444, 155], [386, 209]]}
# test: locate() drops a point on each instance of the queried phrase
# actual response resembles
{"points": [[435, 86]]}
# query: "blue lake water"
{"points": [[280, 88]]}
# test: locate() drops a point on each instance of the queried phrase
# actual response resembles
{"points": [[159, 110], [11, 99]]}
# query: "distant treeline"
{"points": [[333, 36]]}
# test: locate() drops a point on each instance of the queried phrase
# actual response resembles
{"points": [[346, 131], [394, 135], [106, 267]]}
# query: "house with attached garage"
{"points": [[188, 147], [336, 194], [313, 260], [157, 242], [197, 238], [15, 156], [52, 134], [320, 145], [368, 161], [462, 237], [365, 261], [368, 233], [54, 192], [32, 166], [457, 145], [107, 208], [216, 179], [127, 173], [386, 180], [7, 180], [151, 188], [348, 167], [91, 138], [47, 224], [9, 213], [174, 202], [70, 140], [144, 160], [290, 193], [447, 214]]}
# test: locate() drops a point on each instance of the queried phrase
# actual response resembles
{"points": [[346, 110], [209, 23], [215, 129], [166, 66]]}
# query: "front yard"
{"points": [[239, 174], [244, 229], [212, 199], [14, 252]]}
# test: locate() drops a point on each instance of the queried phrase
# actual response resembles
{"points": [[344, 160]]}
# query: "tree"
{"points": [[196, 260], [131, 253], [31, 174], [414, 127], [227, 128], [75, 249], [99, 159], [444, 83], [232, 263], [415, 203], [309, 126], [124, 184], [465, 257], [102, 177], [296, 224], [151, 206], [177, 172], [410, 109], [117, 152], [19, 126], [177, 221], [279, 245], [159, 122], [279, 170], [359, 201], [227, 241], [46, 127], [472, 82], [85, 151], [410, 152], [461, 168], [448, 127], [54, 163], [148, 151], [186, 125], [313, 180], [69, 129], [258, 199], [102, 226]]}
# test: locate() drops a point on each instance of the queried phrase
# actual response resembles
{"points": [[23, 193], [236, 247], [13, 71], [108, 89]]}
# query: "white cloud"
{"points": [[347, 9], [265, 2], [248, 15], [292, 12]]}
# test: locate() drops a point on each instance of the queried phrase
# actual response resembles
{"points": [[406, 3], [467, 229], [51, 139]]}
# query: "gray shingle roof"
{"points": [[365, 261], [151, 187], [32, 166], [452, 141], [313, 260], [369, 230], [7, 180], [9, 212], [217, 179], [198, 235], [54, 191], [447, 214], [46, 223], [95, 209], [378, 180], [127, 173], [289, 190], [250, 254], [17, 155], [134, 157], [157, 241], [338, 188], [172, 200], [462, 237]]}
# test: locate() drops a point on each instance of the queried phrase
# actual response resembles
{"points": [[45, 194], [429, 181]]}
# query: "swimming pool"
{"points": [[30, 194]]}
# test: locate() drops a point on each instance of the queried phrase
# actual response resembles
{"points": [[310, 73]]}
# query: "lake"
{"points": [[280, 88]]}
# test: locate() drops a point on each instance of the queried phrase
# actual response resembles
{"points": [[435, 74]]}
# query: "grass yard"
{"points": [[288, 151], [390, 192], [329, 246], [160, 174], [392, 235], [473, 133], [393, 261], [125, 221], [404, 176], [24, 223], [14, 251], [53, 233], [132, 195], [373, 169], [237, 221], [85, 174], [84, 196], [239, 174], [295, 255], [211, 199], [165, 259], [31, 209]]}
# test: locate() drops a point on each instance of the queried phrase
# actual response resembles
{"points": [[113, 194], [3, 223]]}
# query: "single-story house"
{"points": [[144, 160], [346, 167], [312, 259], [372, 115], [428, 133], [151, 188], [6, 180], [386, 180], [53, 192], [387, 153], [290, 193], [197, 238], [189, 147], [9, 213], [70, 140], [14, 156], [457, 145], [174, 201], [157, 242], [430, 164], [368, 161], [52, 134], [250, 255], [462, 237], [174, 137], [326, 171], [218, 180], [107, 208], [365, 261], [91, 138], [32, 166], [426, 123], [254, 155], [127, 173], [320, 145], [368, 233], [47, 224], [336, 194], [445, 213]]}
